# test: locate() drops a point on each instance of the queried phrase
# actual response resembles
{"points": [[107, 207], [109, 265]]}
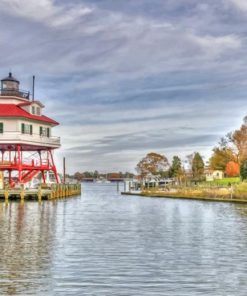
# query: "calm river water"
{"points": [[105, 244]]}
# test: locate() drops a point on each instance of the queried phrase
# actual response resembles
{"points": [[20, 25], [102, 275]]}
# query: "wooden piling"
{"points": [[39, 193], [56, 191], [22, 194], [6, 194]]}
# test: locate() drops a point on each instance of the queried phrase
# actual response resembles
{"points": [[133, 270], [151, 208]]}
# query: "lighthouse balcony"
{"points": [[34, 140], [11, 92]]}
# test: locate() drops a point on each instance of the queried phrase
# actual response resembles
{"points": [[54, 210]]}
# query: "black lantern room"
{"points": [[10, 83], [10, 87]]}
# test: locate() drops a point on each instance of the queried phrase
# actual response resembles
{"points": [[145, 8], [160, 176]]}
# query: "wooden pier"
{"points": [[55, 191]]}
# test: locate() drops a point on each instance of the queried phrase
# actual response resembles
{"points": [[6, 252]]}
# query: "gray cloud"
{"points": [[125, 77]]}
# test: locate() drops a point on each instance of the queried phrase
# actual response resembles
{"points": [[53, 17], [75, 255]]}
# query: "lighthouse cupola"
{"points": [[10, 83], [10, 87]]}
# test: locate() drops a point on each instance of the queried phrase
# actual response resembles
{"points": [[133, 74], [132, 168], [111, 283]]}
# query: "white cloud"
{"points": [[45, 11], [240, 4], [217, 45]]}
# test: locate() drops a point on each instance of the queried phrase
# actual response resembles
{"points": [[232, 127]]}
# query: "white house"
{"points": [[212, 175]]}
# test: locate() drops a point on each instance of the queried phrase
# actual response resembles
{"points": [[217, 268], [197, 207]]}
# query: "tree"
{"points": [[232, 169], [128, 175], [95, 174], [236, 142], [239, 138], [243, 170], [78, 176], [88, 174], [220, 158], [153, 163], [176, 167], [197, 166]]}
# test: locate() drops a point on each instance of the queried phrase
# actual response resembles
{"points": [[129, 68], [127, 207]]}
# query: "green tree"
{"points": [[78, 176], [176, 167], [87, 174], [95, 174], [243, 170], [197, 166]]}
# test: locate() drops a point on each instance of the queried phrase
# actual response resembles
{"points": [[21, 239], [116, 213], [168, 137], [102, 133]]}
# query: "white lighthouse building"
{"points": [[27, 142]]}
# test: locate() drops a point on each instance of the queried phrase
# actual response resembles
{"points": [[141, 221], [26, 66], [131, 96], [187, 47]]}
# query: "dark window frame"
{"points": [[1, 127]]}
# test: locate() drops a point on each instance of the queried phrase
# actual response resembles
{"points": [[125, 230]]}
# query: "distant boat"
{"points": [[102, 181]]}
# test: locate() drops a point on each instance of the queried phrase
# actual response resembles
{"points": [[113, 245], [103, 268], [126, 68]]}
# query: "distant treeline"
{"points": [[96, 175]]}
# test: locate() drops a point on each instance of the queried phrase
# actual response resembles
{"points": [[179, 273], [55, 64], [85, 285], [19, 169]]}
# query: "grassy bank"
{"points": [[223, 182], [236, 192], [210, 199]]}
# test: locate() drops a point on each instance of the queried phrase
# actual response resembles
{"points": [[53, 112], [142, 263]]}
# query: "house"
{"points": [[212, 175]]}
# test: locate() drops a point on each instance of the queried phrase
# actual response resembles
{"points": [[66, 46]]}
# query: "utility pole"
{"points": [[64, 170], [33, 86]]}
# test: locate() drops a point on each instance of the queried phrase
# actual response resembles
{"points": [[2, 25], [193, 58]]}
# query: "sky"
{"points": [[127, 77]]}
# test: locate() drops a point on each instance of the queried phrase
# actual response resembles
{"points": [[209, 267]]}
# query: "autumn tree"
{"points": [[236, 142], [239, 138], [176, 167], [221, 156], [232, 169], [197, 166], [152, 163]]}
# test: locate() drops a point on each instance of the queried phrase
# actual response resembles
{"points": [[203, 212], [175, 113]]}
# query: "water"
{"points": [[105, 244]]}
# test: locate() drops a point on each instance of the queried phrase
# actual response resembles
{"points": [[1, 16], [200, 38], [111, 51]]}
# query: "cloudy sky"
{"points": [[126, 77]]}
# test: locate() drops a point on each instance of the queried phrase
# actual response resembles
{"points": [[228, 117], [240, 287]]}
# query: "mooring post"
{"points": [[64, 170], [39, 193], [6, 194], [51, 195], [58, 190], [61, 190], [22, 194], [55, 191]]}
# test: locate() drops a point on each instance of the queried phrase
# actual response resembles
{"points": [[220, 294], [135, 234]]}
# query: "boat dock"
{"points": [[55, 191]]}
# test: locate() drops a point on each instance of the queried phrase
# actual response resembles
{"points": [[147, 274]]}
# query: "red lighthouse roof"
{"points": [[12, 110]]}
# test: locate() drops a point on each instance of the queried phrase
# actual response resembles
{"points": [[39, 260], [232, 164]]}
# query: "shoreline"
{"points": [[208, 199]]}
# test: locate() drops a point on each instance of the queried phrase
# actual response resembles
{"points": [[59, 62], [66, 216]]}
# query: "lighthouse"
{"points": [[27, 142]]}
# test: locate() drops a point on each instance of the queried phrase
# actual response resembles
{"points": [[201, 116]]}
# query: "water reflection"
{"points": [[27, 233], [106, 244]]}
